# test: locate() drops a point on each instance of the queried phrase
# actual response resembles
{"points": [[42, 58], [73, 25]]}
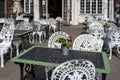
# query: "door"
{"points": [[2, 8], [66, 11]]}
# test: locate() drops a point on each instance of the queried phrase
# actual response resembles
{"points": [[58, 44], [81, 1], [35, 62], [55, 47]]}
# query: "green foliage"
{"points": [[106, 24], [65, 42]]}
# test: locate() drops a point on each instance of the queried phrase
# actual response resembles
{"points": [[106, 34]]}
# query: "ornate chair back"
{"points": [[99, 34], [8, 37], [59, 19], [87, 42], [52, 21], [96, 25], [52, 42], [112, 27], [74, 70], [24, 25]]}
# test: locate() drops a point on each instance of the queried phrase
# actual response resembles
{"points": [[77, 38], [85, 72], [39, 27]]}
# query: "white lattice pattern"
{"points": [[54, 37], [114, 40], [87, 42], [74, 70]]}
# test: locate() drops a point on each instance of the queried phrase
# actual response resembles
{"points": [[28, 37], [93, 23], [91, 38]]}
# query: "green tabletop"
{"points": [[45, 56], [21, 32]]}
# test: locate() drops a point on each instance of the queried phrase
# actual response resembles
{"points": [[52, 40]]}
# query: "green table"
{"points": [[19, 37], [21, 32], [52, 57]]}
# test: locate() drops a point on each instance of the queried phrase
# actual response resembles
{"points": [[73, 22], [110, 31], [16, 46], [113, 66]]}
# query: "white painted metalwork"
{"points": [[74, 70], [114, 40], [87, 42], [52, 42], [6, 43]]}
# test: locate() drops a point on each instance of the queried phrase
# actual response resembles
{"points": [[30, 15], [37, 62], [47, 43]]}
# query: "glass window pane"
{"points": [[99, 6], [87, 6], [82, 6], [93, 6]]}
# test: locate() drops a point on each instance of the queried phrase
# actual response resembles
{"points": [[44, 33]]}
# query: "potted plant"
{"points": [[66, 44], [106, 26]]}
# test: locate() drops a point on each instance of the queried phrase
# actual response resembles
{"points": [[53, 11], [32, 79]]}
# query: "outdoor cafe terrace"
{"points": [[11, 71]]}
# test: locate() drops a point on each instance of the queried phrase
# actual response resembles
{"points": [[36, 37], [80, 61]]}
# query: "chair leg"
{"points": [[32, 38], [40, 38], [110, 52], [46, 72], [11, 52], [44, 36], [2, 60], [118, 49]]}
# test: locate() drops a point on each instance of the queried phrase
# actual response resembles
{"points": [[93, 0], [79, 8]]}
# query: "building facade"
{"points": [[72, 11]]}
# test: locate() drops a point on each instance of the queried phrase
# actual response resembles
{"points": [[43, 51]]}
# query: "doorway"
{"points": [[1, 8], [55, 8]]}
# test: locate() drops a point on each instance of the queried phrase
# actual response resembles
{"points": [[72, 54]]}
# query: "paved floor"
{"points": [[11, 70]]}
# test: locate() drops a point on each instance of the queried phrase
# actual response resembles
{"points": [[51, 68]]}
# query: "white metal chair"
{"points": [[59, 19], [112, 27], [6, 44], [114, 40], [24, 25], [87, 42], [37, 30], [59, 22], [96, 25], [74, 70], [53, 24], [52, 42], [98, 33]]}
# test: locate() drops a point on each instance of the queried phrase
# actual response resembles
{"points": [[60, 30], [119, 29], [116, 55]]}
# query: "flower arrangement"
{"points": [[94, 16], [66, 42], [106, 24], [6, 24]]}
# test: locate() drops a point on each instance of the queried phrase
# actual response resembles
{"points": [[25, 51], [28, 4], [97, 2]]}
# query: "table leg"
{"points": [[21, 71], [47, 32], [59, 27], [104, 76]]}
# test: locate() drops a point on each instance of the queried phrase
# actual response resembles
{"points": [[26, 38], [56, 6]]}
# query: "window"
{"points": [[91, 6], [99, 6], [28, 6], [82, 6], [94, 6], [87, 6]]}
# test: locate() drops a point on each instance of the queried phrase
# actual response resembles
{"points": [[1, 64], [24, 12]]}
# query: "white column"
{"points": [[112, 2], [105, 9], [74, 11], [96, 6], [68, 11], [29, 7], [46, 9], [62, 8], [36, 10], [90, 7], [110, 9], [24, 6]]}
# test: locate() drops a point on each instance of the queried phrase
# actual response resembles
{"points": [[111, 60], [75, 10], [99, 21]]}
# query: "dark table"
{"points": [[19, 37], [21, 32], [52, 57]]}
